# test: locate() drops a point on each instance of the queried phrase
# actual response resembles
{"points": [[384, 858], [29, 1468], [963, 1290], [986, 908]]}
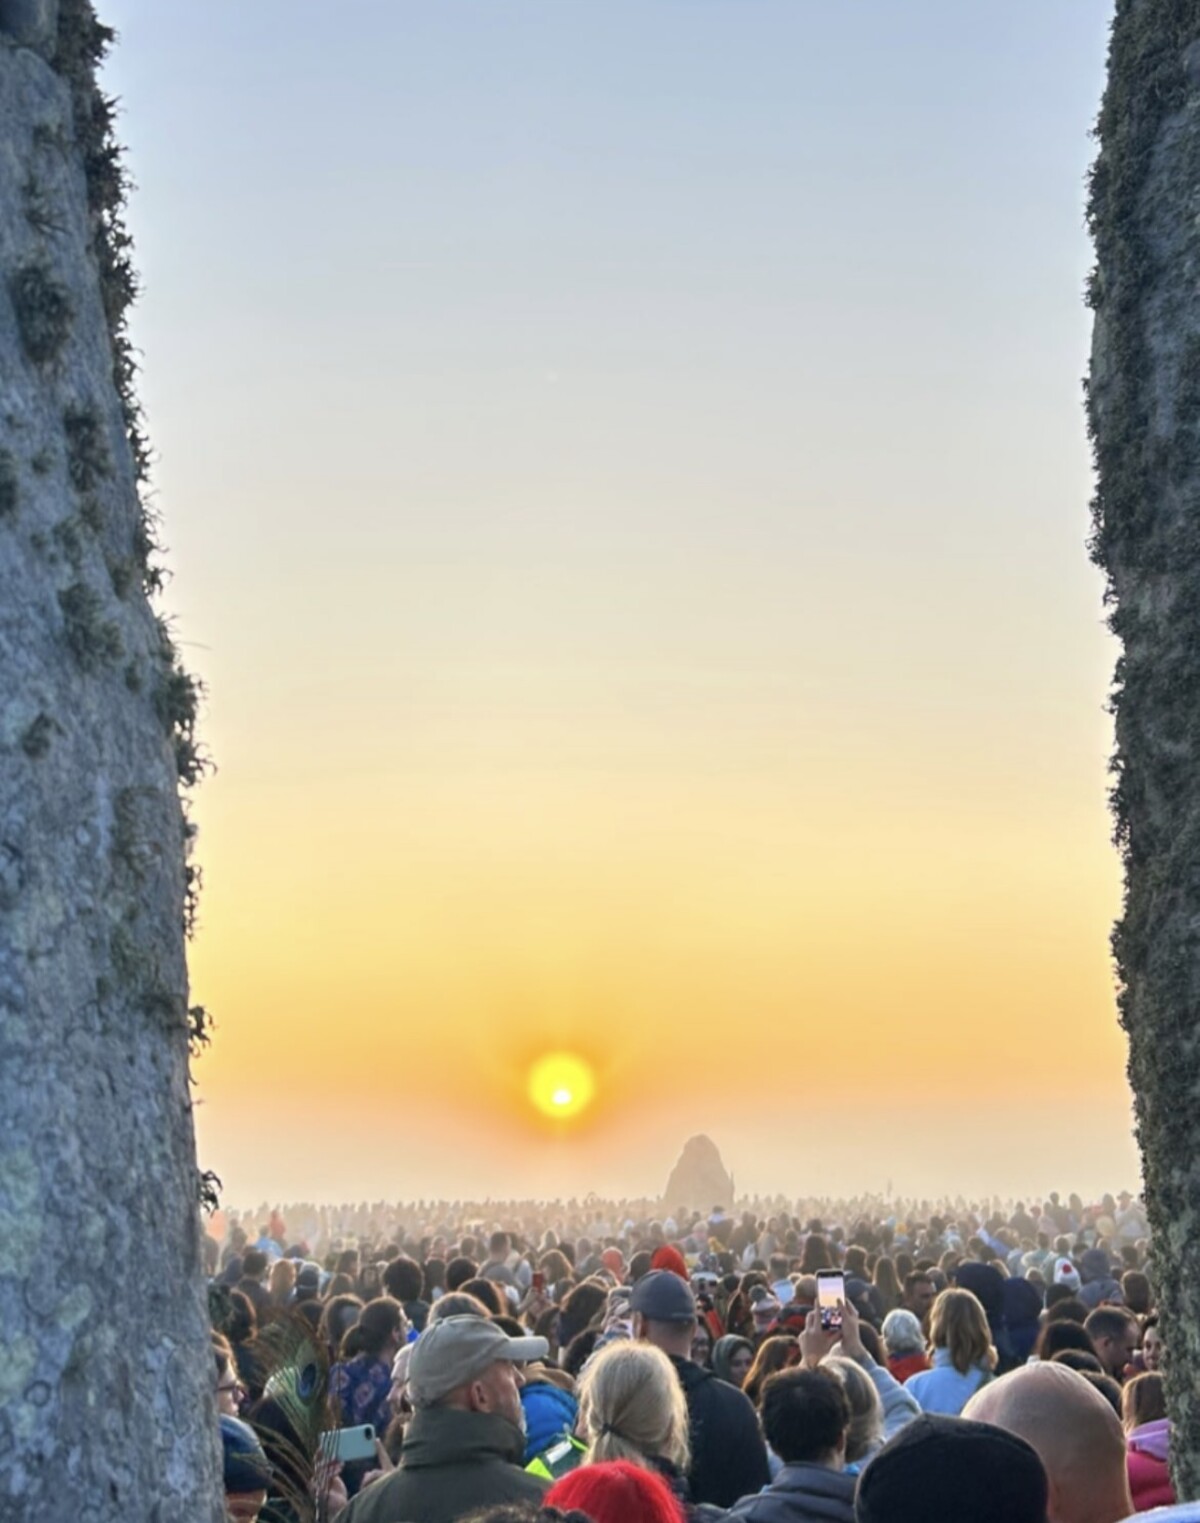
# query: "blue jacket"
{"points": [[549, 1413], [942, 1389]]}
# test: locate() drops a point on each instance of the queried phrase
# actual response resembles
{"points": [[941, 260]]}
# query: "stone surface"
{"points": [[699, 1179], [101, 1296]]}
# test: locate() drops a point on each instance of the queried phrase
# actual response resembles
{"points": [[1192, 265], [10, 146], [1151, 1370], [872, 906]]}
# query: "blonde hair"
{"points": [[631, 1406], [958, 1323], [865, 1432]]}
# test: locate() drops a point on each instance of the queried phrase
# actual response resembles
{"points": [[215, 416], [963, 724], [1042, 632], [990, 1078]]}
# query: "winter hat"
{"points": [[902, 1332], [945, 1469], [246, 1466], [1065, 1273], [668, 1257], [615, 1491]]}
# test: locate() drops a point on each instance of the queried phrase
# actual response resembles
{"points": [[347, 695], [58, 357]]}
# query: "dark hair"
{"points": [[242, 1320], [1065, 1309], [488, 1292], [254, 1263], [1078, 1359], [774, 1354], [379, 1321], [1057, 1293], [458, 1303], [1135, 1287], [580, 1306], [459, 1271], [498, 1242], [805, 1415], [434, 1279], [1108, 1322], [1107, 1387], [580, 1349], [403, 1280], [917, 1277], [511, 1326], [1060, 1335], [339, 1316], [816, 1254]]}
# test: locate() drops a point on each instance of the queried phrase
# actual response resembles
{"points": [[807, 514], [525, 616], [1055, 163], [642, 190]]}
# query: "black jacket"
{"points": [[800, 1494], [729, 1457]]}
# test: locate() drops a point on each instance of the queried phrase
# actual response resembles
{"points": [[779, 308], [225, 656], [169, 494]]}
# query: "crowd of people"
{"points": [[607, 1363]]}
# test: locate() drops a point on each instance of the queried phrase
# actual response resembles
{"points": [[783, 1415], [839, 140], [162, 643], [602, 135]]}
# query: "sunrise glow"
{"points": [[560, 1084]]}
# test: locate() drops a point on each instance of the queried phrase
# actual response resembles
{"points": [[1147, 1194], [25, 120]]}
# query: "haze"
{"points": [[625, 478]]}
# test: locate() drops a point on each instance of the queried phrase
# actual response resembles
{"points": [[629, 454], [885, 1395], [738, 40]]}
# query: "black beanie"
{"points": [[947, 1469]]}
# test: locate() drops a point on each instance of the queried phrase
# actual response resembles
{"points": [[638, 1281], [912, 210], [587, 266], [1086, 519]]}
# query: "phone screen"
{"points": [[831, 1291]]}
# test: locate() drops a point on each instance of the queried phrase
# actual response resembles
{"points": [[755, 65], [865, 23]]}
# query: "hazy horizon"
{"points": [[626, 485]]}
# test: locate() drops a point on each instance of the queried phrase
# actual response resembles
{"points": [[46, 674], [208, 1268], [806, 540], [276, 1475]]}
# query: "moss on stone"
{"points": [[42, 306]]}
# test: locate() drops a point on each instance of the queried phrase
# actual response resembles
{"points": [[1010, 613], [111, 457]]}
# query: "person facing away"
{"points": [[465, 1442], [962, 1355], [632, 1407], [806, 1418], [1147, 1441], [1075, 1432], [729, 1457]]}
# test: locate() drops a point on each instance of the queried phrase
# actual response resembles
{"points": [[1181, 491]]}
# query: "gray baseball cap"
{"points": [[455, 1350]]}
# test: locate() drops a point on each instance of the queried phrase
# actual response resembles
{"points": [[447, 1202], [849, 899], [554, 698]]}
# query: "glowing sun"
{"points": [[560, 1084]]}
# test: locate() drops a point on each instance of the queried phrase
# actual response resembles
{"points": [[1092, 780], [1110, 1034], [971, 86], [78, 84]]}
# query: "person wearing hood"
{"points": [[806, 1418], [465, 1443], [1147, 1442], [731, 1359]]}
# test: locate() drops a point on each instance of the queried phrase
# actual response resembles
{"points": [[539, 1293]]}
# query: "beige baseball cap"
{"points": [[455, 1350]]}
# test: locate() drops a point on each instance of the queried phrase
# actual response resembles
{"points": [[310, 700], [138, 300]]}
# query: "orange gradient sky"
{"points": [[628, 505]]}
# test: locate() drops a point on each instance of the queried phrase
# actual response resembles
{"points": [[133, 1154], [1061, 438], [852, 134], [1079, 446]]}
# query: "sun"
{"points": [[560, 1084]]}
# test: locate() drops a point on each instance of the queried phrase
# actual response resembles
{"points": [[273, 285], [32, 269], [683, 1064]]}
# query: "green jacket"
{"points": [[452, 1463]]}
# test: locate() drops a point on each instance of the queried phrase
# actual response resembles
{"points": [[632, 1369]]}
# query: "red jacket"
{"points": [[904, 1365], [1146, 1460]]}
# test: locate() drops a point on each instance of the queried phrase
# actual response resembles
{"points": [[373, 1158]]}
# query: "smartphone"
{"points": [[831, 1292], [539, 1279], [348, 1444]]}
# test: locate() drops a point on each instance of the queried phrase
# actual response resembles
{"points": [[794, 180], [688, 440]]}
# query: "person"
{"points": [[806, 1419], [732, 1359], [404, 1280], [729, 1457], [961, 1352], [879, 1405], [361, 1381], [616, 1492], [905, 1344], [1147, 1442], [632, 1407], [1114, 1334], [1075, 1432], [949, 1468], [919, 1295], [464, 1444], [246, 1472], [702, 1345], [230, 1391], [774, 1354], [1152, 1344]]}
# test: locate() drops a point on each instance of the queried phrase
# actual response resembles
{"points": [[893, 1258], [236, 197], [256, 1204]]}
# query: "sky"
{"points": [[625, 482]]}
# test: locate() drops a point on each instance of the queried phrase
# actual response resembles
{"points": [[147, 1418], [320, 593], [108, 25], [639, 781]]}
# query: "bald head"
{"points": [[1075, 1432]]}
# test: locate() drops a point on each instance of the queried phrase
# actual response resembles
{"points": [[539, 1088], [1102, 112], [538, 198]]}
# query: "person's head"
{"points": [[616, 1492], [229, 1388], [1115, 1335], [1078, 1359], [1152, 1344], [241, 1322], [469, 1364], [919, 1294], [946, 1468], [1055, 1337], [459, 1271], [490, 1292], [958, 1324], [733, 1358], [457, 1303], [282, 1280], [498, 1247], [806, 1417], [702, 1344], [403, 1279], [1074, 1430], [254, 1264], [866, 1409], [1064, 1308], [774, 1354], [379, 1333], [247, 1472], [1143, 1400], [664, 1312], [902, 1333], [632, 1407], [1136, 1292], [337, 1318]]}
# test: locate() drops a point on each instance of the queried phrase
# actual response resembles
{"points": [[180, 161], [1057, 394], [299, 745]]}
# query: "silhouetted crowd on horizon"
{"points": [[599, 1362]]}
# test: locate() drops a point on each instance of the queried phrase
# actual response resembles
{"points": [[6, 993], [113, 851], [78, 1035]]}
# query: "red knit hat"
{"points": [[669, 1257], [616, 1492]]}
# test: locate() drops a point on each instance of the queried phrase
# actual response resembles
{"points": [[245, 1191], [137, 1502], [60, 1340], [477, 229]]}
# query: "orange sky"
{"points": [[628, 501]]}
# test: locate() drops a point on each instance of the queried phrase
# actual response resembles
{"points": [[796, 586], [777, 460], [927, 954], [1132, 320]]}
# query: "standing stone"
{"points": [[1144, 409], [106, 1399], [699, 1179]]}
